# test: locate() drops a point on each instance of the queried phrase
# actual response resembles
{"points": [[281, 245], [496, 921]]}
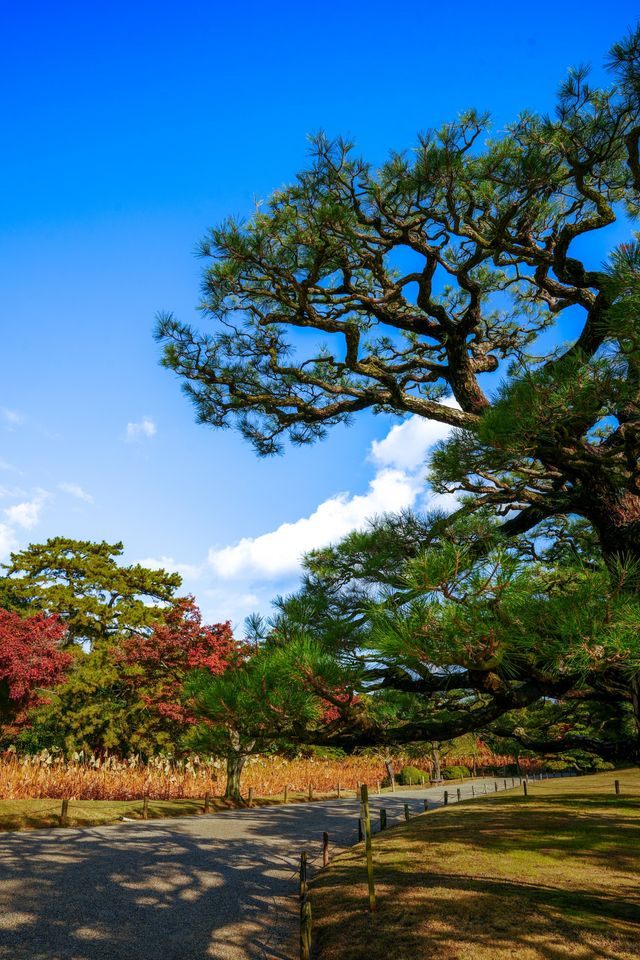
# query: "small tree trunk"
{"points": [[235, 763], [435, 756], [389, 765]]}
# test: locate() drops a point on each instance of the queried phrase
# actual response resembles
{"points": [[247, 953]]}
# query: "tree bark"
{"points": [[435, 756], [235, 763]]}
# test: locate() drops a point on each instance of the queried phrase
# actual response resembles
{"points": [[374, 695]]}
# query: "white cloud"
{"points": [[11, 493], [13, 417], [142, 428], [407, 444], [27, 514], [75, 490], [8, 541], [278, 553], [241, 577], [8, 466], [191, 571]]}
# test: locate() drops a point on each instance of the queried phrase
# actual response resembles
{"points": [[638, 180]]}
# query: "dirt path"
{"points": [[221, 886]]}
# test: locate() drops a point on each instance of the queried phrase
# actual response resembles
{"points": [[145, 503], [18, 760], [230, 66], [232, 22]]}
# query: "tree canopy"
{"points": [[389, 289], [82, 583]]}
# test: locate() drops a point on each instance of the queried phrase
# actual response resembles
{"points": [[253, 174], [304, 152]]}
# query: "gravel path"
{"points": [[221, 886]]}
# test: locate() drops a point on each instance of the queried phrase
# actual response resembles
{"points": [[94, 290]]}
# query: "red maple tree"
{"points": [[159, 661], [30, 660]]}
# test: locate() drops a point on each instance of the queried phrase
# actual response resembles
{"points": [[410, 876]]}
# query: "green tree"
{"points": [[424, 276], [442, 641], [263, 702], [91, 593]]}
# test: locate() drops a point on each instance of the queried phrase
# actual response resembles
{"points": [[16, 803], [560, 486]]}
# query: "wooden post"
{"points": [[64, 814], [524, 788], [338, 791], [364, 796], [383, 819], [496, 785], [407, 815], [446, 797], [325, 849], [306, 928], [250, 797], [360, 830], [513, 782], [473, 790], [286, 792], [379, 788], [485, 788], [505, 784], [426, 804], [310, 791], [145, 807], [617, 785], [459, 795], [207, 803], [303, 874]]}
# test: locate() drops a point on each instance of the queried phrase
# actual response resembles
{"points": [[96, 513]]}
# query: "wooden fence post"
{"points": [[473, 790], [364, 796], [617, 785], [459, 795], [310, 791], [407, 815], [325, 849], [505, 784], [426, 804], [338, 790], [207, 802], [496, 785], [303, 874], [306, 919], [306, 928], [383, 819], [145, 807], [64, 814], [379, 788], [250, 797], [286, 792], [524, 788], [446, 797]]}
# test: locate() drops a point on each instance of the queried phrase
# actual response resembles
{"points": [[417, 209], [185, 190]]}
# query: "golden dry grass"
{"points": [[550, 877], [48, 776]]}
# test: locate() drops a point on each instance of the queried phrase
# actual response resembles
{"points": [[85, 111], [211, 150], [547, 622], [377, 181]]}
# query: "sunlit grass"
{"points": [[551, 876]]}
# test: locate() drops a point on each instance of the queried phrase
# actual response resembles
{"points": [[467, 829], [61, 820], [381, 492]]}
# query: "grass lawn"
{"points": [[37, 814], [552, 876]]}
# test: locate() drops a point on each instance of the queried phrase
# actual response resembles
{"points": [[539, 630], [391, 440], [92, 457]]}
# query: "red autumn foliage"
{"points": [[30, 659], [332, 711], [162, 659]]}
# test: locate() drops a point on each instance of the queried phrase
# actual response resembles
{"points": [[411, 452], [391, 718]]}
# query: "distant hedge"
{"points": [[455, 773], [411, 776]]}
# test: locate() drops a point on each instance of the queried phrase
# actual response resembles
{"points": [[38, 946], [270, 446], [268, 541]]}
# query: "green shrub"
{"points": [[327, 753], [411, 776], [600, 765], [455, 773]]}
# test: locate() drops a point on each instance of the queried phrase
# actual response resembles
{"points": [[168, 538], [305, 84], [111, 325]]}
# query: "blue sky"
{"points": [[127, 130]]}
